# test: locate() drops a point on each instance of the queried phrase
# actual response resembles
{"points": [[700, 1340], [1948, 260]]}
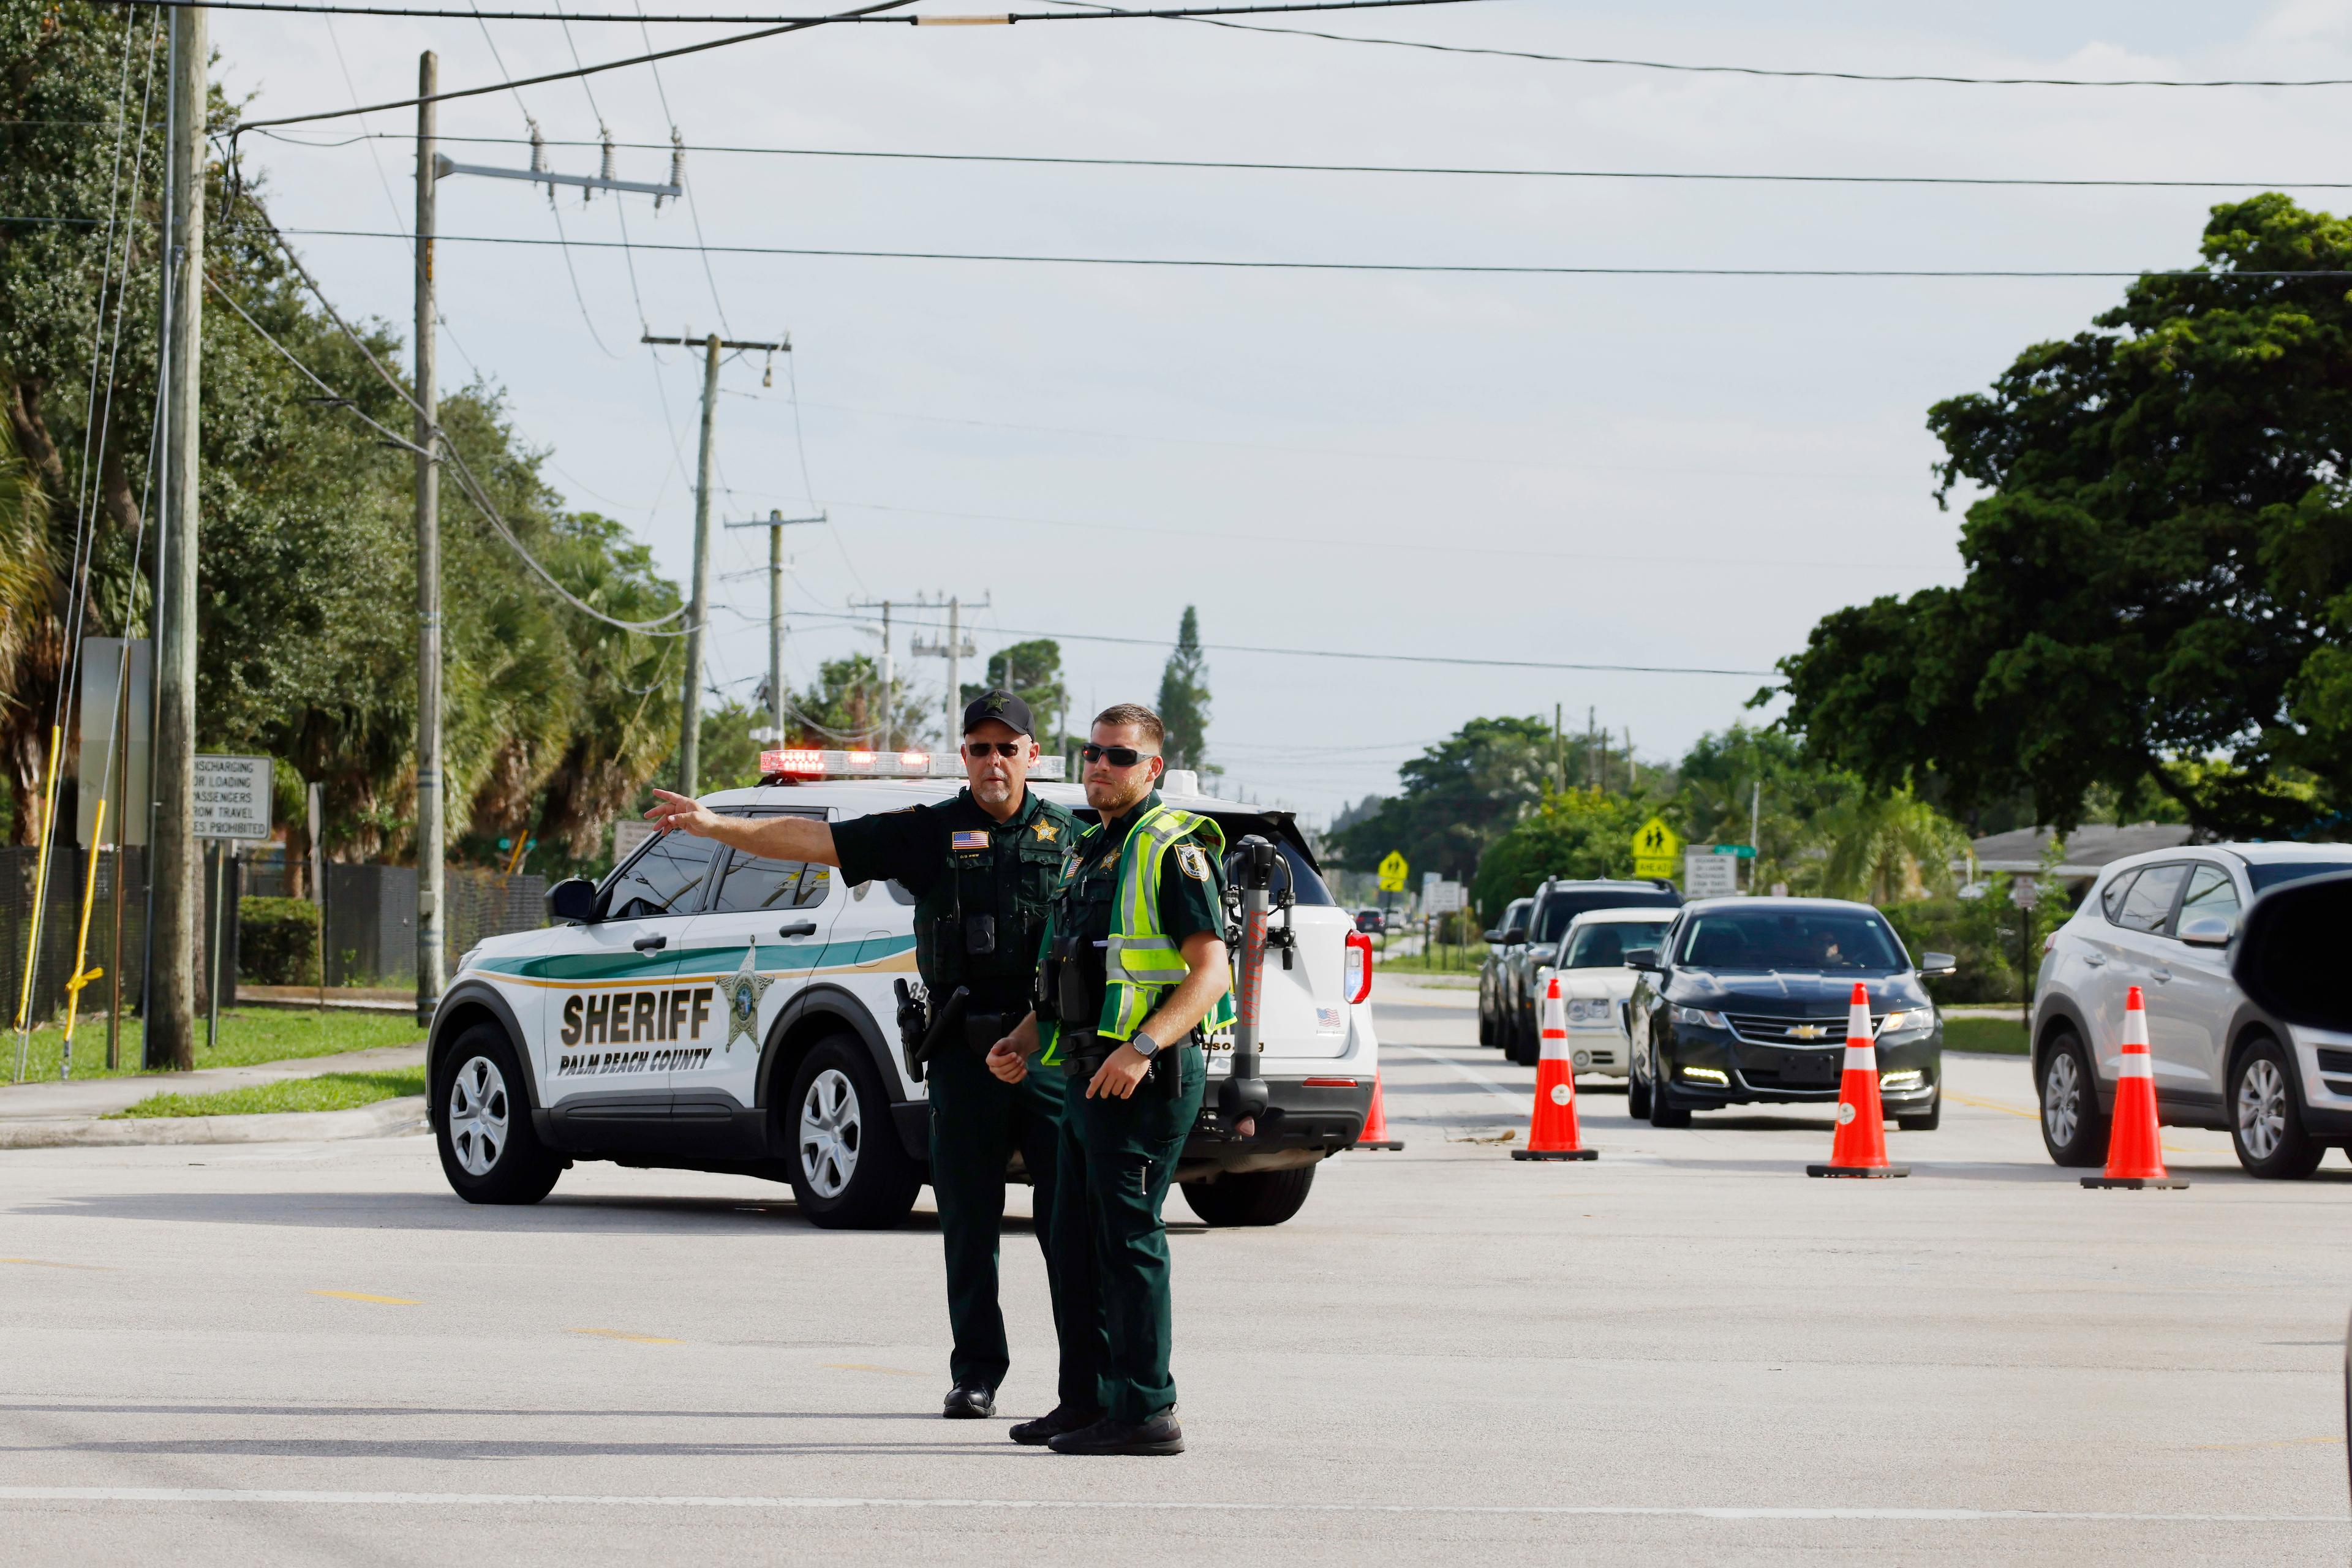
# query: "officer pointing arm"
{"points": [[981, 868]]}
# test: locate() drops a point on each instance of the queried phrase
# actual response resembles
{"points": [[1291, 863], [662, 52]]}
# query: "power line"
{"points": [[2315, 274], [535, 80], [1680, 69], [1332, 653], [1483, 172], [1448, 548], [998, 18]]}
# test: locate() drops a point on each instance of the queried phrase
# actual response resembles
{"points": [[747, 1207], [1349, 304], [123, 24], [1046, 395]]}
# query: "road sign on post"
{"points": [[232, 797], [1393, 871], [1657, 850], [1707, 875]]}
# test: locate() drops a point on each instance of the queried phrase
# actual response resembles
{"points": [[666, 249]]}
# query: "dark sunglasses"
{"points": [[1120, 756], [998, 748]]}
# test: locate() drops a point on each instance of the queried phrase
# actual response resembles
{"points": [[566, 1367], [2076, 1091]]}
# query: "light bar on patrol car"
{"points": [[806, 763]]}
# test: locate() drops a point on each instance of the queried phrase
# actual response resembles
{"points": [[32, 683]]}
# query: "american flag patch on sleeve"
{"points": [[974, 839]]}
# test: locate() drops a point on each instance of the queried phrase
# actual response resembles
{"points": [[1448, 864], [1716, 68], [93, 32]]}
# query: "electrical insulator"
{"points": [[677, 164], [768, 376]]}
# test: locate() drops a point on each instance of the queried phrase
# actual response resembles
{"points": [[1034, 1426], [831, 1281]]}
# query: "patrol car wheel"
{"points": [[482, 1123], [848, 1170], [1250, 1197]]}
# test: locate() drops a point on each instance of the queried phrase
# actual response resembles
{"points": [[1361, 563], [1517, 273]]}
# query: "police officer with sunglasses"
{"points": [[1132, 985], [984, 867]]}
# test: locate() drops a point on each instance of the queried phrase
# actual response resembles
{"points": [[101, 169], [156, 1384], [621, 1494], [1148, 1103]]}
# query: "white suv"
{"points": [[705, 1009], [2163, 921]]}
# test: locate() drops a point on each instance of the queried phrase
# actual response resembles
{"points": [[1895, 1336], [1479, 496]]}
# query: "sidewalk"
{"points": [[84, 1098]]}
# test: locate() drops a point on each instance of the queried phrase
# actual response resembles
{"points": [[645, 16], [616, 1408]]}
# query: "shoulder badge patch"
{"points": [[1192, 862], [973, 839]]}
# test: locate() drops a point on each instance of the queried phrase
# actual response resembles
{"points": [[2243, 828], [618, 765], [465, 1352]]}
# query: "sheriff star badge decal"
{"points": [[743, 990]]}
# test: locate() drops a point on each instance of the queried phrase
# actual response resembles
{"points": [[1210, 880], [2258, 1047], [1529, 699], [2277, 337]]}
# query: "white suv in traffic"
{"points": [[2164, 921], [700, 1008]]}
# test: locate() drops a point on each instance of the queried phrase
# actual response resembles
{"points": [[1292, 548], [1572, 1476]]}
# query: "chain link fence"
{"points": [[370, 925]]}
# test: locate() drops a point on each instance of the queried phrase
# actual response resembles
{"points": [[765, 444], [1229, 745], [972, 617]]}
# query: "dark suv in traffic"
{"points": [[1530, 950], [1746, 1001]]}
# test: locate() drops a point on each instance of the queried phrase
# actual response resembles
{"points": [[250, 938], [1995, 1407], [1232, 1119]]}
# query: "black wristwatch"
{"points": [[1145, 1046]]}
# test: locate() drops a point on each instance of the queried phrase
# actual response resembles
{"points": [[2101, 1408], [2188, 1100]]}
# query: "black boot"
{"points": [[1160, 1434], [969, 1402], [1062, 1418]]}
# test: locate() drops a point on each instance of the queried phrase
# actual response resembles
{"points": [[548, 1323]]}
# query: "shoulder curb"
{"points": [[384, 1119]]}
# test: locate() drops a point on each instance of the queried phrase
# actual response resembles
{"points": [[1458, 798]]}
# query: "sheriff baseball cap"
{"points": [[1003, 706]]}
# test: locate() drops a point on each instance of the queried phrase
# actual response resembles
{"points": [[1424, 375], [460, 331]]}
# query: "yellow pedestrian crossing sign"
{"points": [[1657, 852], [1393, 871]]}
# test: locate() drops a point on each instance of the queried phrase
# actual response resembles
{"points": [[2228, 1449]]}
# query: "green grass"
{"points": [[1446, 960], [2005, 1036], [330, 1091], [248, 1034]]}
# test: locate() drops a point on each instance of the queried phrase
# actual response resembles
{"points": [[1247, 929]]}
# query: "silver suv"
{"points": [[2164, 921]]}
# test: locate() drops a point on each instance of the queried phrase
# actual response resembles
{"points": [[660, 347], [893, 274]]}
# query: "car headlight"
{"points": [[1587, 1010], [1912, 1021], [1704, 1019]]}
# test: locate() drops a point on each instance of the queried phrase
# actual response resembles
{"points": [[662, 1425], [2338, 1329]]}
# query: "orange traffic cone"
{"points": [[1552, 1132], [1860, 1147], [1375, 1134], [2134, 1157]]}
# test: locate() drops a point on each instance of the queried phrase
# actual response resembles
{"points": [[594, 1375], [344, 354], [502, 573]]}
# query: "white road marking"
{"points": [[1598, 1510], [1520, 1104]]}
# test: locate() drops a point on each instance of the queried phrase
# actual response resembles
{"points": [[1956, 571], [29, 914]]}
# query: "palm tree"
{"points": [[1885, 848], [30, 643]]}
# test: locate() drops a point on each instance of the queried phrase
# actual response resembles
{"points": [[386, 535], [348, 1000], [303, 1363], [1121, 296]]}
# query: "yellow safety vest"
{"points": [[1142, 963]]}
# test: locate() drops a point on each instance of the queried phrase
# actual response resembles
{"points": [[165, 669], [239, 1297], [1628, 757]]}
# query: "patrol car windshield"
{"points": [[1603, 945], [1828, 940]]}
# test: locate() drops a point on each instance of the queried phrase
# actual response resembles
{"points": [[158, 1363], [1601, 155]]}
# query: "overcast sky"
{"points": [[1622, 470]]}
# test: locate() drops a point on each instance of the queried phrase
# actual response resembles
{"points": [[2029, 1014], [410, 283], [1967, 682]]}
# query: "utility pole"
{"points": [[956, 648], [775, 523], [432, 947], [690, 719], [1559, 749], [889, 688], [170, 1028], [1591, 777]]}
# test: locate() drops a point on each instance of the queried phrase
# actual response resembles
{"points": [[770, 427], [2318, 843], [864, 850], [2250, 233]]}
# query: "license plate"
{"points": [[1811, 1068]]}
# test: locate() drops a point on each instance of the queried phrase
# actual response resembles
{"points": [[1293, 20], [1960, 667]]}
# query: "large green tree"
{"points": [[306, 621], [2159, 583]]}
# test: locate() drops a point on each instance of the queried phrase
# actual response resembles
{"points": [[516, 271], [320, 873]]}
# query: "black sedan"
{"points": [[1746, 1003]]}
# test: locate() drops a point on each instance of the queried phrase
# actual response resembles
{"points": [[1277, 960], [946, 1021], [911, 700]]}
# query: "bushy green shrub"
{"points": [[278, 941]]}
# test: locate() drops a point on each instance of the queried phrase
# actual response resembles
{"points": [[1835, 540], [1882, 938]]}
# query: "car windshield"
{"points": [[1831, 941], [1551, 921], [1605, 943], [2277, 871]]}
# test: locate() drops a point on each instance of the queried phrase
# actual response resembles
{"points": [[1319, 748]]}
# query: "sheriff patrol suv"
{"points": [[704, 1009]]}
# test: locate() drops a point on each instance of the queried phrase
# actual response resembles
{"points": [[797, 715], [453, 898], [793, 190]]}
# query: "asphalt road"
{"points": [[1684, 1352]]}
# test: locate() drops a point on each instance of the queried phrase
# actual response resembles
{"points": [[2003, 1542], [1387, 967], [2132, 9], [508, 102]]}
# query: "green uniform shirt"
{"points": [[959, 862]]}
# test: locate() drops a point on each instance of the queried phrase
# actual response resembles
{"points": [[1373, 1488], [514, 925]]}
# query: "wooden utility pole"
{"points": [[775, 523], [172, 1024], [690, 718], [432, 947]]}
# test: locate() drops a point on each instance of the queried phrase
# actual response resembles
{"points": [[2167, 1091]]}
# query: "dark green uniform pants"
{"points": [[1118, 1159], [977, 1124]]}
